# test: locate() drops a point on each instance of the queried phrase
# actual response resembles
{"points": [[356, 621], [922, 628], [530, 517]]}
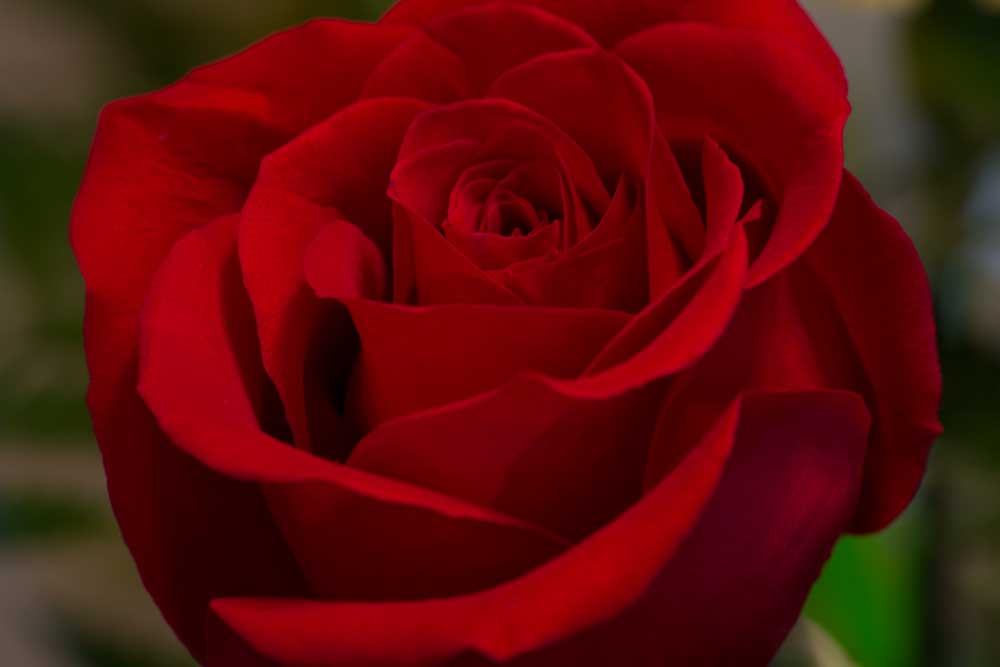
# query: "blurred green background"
{"points": [[925, 138]]}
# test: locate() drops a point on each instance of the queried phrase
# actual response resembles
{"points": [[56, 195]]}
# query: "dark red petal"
{"points": [[609, 21], [606, 269], [786, 335], [163, 164], [459, 55], [675, 232], [567, 464], [788, 494], [184, 558], [481, 37], [423, 182], [589, 584], [824, 323], [199, 378], [594, 98], [756, 97], [343, 263], [301, 188], [300, 74], [723, 195], [423, 69], [413, 359], [673, 332], [429, 270], [437, 149], [511, 131], [734, 589], [668, 337], [167, 162], [574, 88], [878, 285]]}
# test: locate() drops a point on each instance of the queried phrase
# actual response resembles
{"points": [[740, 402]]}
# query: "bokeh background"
{"points": [[925, 138]]}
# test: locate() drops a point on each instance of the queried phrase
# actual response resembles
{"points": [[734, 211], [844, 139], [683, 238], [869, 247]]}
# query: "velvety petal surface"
{"points": [[610, 21], [301, 189], [544, 606], [200, 375], [163, 164], [642, 612], [876, 280], [776, 111]]}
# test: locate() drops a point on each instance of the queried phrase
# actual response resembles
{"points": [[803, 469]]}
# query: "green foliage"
{"points": [[28, 517]]}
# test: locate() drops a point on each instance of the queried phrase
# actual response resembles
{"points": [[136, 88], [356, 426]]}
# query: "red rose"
{"points": [[544, 333]]}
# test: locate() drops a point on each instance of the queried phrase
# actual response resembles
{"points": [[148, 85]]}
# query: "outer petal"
{"points": [[854, 314], [458, 55], [756, 97], [200, 374], [590, 583], [163, 164], [610, 21], [732, 592], [622, 596], [877, 283]]}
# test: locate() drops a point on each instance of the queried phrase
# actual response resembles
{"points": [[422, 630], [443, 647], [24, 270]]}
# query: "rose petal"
{"points": [[481, 38], [817, 325], [885, 303], [785, 335], [343, 263], [723, 195], [610, 22], [528, 451], [779, 113], [735, 588], [458, 55], [423, 69], [300, 189], [414, 359], [429, 270], [163, 164], [604, 270], [572, 88], [511, 131], [199, 378], [548, 604], [636, 605], [674, 332]]}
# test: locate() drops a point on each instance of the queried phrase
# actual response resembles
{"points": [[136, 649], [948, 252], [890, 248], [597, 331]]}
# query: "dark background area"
{"points": [[925, 138]]}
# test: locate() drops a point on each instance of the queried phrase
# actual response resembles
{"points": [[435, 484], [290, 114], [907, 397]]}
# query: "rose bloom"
{"points": [[538, 332]]}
